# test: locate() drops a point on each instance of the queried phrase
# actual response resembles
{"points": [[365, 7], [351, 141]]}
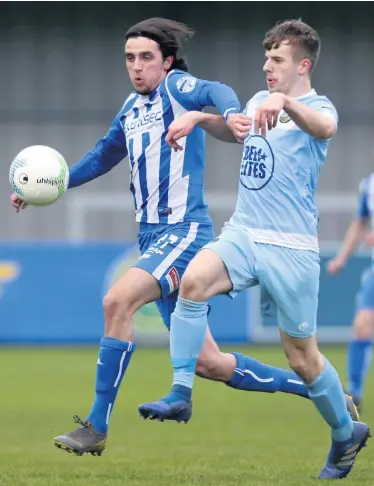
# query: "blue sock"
{"points": [[252, 375], [188, 329], [327, 394], [358, 363], [114, 357]]}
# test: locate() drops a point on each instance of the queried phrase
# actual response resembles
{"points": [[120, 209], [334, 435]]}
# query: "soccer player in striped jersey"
{"points": [[360, 347], [271, 238], [174, 222]]}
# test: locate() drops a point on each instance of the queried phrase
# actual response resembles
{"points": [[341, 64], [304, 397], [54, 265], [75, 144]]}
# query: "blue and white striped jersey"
{"points": [[167, 186], [366, 199]]}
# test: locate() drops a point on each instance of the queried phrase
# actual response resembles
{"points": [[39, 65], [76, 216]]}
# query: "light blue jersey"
{"points": [[365, 296], [271, 239], [278, 179], [366, 202]]}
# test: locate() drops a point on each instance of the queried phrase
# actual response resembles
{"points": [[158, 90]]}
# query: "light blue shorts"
{"points": [[289, 278]]}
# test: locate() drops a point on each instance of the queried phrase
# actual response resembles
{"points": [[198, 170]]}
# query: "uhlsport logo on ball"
{"points": [[148, 325]]}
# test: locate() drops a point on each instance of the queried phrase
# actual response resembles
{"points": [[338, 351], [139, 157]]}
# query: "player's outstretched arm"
{"points": [[195, 94], [234, 130], [107, 153], [355, 233], [353, 237], [183, 126], [98, 161]]}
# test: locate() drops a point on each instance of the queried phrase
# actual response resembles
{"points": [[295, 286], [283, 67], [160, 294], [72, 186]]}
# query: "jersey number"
{"points": [[165, 240]]}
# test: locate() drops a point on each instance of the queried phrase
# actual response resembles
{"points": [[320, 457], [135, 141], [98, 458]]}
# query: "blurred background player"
{"points": [[360, 347], [174, 219], [271, 239]]}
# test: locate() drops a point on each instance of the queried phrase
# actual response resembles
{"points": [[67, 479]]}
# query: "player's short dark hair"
{"points": [[298, 34], [169, 35]]}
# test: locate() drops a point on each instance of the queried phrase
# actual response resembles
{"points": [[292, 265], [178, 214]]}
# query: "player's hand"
{"points": [[181, 127], [369, 239], [266, 116], [335, 265], [240, 125], [17, 203]]}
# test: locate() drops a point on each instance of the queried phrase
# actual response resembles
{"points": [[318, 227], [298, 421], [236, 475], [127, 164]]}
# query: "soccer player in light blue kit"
{"points": [[174, 219], [271, 239], [360, 347]]}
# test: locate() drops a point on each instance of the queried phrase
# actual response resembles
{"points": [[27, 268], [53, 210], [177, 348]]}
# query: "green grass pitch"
{"points": [[234, 438]]}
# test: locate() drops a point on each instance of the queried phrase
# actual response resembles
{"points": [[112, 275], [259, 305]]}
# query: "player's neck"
{"points": [[300, 89]]}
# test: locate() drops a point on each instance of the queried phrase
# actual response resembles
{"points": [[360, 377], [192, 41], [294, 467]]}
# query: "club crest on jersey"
{"points": [[257, 165], [186, 84], [285, 118]]}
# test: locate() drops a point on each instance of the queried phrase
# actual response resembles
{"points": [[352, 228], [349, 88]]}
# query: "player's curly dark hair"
{"points": [[169, 35], [297, 33]]}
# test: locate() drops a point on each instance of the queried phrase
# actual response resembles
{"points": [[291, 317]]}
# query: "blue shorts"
{"points": [[365, 296], [166, 250], [288, 278]]}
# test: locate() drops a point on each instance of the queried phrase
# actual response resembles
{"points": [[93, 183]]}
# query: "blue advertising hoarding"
{"points": [[52, 293]]}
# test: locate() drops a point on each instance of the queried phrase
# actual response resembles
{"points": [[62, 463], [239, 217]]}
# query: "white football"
{"points": [[39, 175]]}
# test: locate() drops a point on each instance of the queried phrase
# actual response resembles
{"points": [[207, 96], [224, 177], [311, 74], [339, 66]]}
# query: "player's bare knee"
{"points": [[303, 356], [110, 304], [116, 308], [364, 324], [307, 367], [193, 287], [117, 317], [298, 364]]}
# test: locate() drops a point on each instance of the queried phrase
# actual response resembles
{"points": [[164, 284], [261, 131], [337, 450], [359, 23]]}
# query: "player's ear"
{"points": [[168, 62], [305, 66]]}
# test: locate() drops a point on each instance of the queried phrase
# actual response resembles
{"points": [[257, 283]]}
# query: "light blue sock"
{"points": [[252, 375], [188, 329], [358, 363], [327, 394], [114, 357]]}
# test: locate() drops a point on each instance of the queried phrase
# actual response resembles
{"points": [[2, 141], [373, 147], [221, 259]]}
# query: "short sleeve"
{"points": [[324, 105]]}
